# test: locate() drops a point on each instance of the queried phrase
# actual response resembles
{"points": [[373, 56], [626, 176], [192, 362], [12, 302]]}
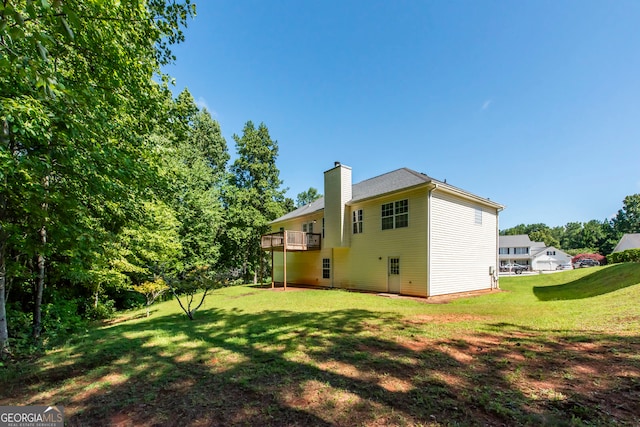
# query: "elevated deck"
{"points": [[289, 240]]}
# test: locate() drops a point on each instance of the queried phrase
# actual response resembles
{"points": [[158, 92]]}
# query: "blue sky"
{"points": [[534, 104]]}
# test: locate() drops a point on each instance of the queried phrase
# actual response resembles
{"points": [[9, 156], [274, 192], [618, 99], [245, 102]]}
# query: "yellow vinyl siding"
{"points": [[369, 253], [461, 250], [303, 267]]}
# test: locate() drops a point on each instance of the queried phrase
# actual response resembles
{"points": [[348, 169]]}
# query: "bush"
{"points": [[630, 255], [597, 257], [104, 310], [60, 318]]}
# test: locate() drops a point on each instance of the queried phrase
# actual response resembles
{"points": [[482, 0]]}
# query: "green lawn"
{"points": [[556, 349]]}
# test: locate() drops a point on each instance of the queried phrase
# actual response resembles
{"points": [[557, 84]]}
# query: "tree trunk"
{"points": [[4, 331], [37, 306]]}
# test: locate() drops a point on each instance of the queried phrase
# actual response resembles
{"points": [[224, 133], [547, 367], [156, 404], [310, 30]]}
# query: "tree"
{"points": [[77, 99], [253, 198], [199, 279], [627, 220], [544, 235], [194, 158], [151, 290], [307, 197]]}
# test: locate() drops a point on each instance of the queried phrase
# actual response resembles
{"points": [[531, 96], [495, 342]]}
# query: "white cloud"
{"points": [[202, 103], [486, 104]]}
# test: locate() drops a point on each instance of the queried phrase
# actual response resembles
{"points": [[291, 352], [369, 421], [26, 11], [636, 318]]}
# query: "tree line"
{"points": [[593, 236], [106, 180]]}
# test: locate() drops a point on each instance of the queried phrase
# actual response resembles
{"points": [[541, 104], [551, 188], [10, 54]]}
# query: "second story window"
{"points": [[478, 216], [395, 214], [357, 221], [503, 251], [520, 251]]}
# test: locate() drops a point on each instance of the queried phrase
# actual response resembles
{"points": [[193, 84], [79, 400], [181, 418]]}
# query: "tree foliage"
{"points": [[77, 102], [307, 197], [253, 198], [590, 237], [627, 220]]}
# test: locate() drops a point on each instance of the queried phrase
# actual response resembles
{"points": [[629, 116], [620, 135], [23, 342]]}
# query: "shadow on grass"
{"points": [[344, 367], [600, 282]]}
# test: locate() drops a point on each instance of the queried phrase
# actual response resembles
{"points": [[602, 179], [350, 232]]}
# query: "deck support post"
{"points": [[272, 269], [284, 252]]}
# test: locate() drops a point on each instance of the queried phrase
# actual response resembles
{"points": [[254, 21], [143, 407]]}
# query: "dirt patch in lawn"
{"points": [[346, 373]]}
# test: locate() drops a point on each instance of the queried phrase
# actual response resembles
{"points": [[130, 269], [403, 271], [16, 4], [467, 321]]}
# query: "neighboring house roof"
{"points": [[519, 241], [628, 241], [399, 179], [543, 251], [515, 241]]}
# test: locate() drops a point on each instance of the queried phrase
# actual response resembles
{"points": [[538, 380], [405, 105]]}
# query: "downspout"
{"points": [[496, 276], [429, 228]]}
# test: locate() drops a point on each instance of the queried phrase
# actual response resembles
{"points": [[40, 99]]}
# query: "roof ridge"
{"points": [[378, 176], [419, 174]]}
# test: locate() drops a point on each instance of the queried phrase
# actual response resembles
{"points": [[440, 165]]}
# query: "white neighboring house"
{"points": [[536, 256], [549, 258], [628, 241]]}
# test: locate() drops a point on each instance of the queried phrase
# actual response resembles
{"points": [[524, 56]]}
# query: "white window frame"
{"points": [[326, 268], [395, 213], [478, 216], [357, 220]]}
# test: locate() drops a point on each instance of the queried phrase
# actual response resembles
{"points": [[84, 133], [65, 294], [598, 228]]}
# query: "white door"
{"points": [[394, 275]]}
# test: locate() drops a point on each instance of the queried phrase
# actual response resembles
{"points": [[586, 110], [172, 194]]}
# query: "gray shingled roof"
{"points": [[316, 205], [389, 182], [516, 241], [628, 241]]}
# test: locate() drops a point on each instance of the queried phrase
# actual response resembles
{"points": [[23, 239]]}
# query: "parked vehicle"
{"points": [[564, 267], [587, 262], [515, 268]]}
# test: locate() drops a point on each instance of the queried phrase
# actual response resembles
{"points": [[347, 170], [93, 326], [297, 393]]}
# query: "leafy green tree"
{"points": [[544, 236], [77, 99], [593, 234], [627, 220], [307, 197], [151, 290], [194, 159], [253, 198], [200, 279]]}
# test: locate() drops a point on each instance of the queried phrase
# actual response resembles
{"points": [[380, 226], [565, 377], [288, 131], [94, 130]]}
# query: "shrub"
{"points": [[60, 318], [103, 310], [630, 255], [597, 257]]}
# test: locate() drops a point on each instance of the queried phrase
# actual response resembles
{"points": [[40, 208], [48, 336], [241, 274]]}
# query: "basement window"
{"points": [[326, 268]]}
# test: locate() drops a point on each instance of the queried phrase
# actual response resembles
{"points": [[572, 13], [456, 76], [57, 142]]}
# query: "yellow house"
{"points": [[402, 232]]}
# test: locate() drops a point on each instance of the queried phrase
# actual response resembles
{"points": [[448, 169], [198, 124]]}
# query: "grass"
{"points": [[557, 349]]}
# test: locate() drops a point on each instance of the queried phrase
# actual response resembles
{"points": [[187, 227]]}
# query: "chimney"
{"points": [[337, 192]]}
